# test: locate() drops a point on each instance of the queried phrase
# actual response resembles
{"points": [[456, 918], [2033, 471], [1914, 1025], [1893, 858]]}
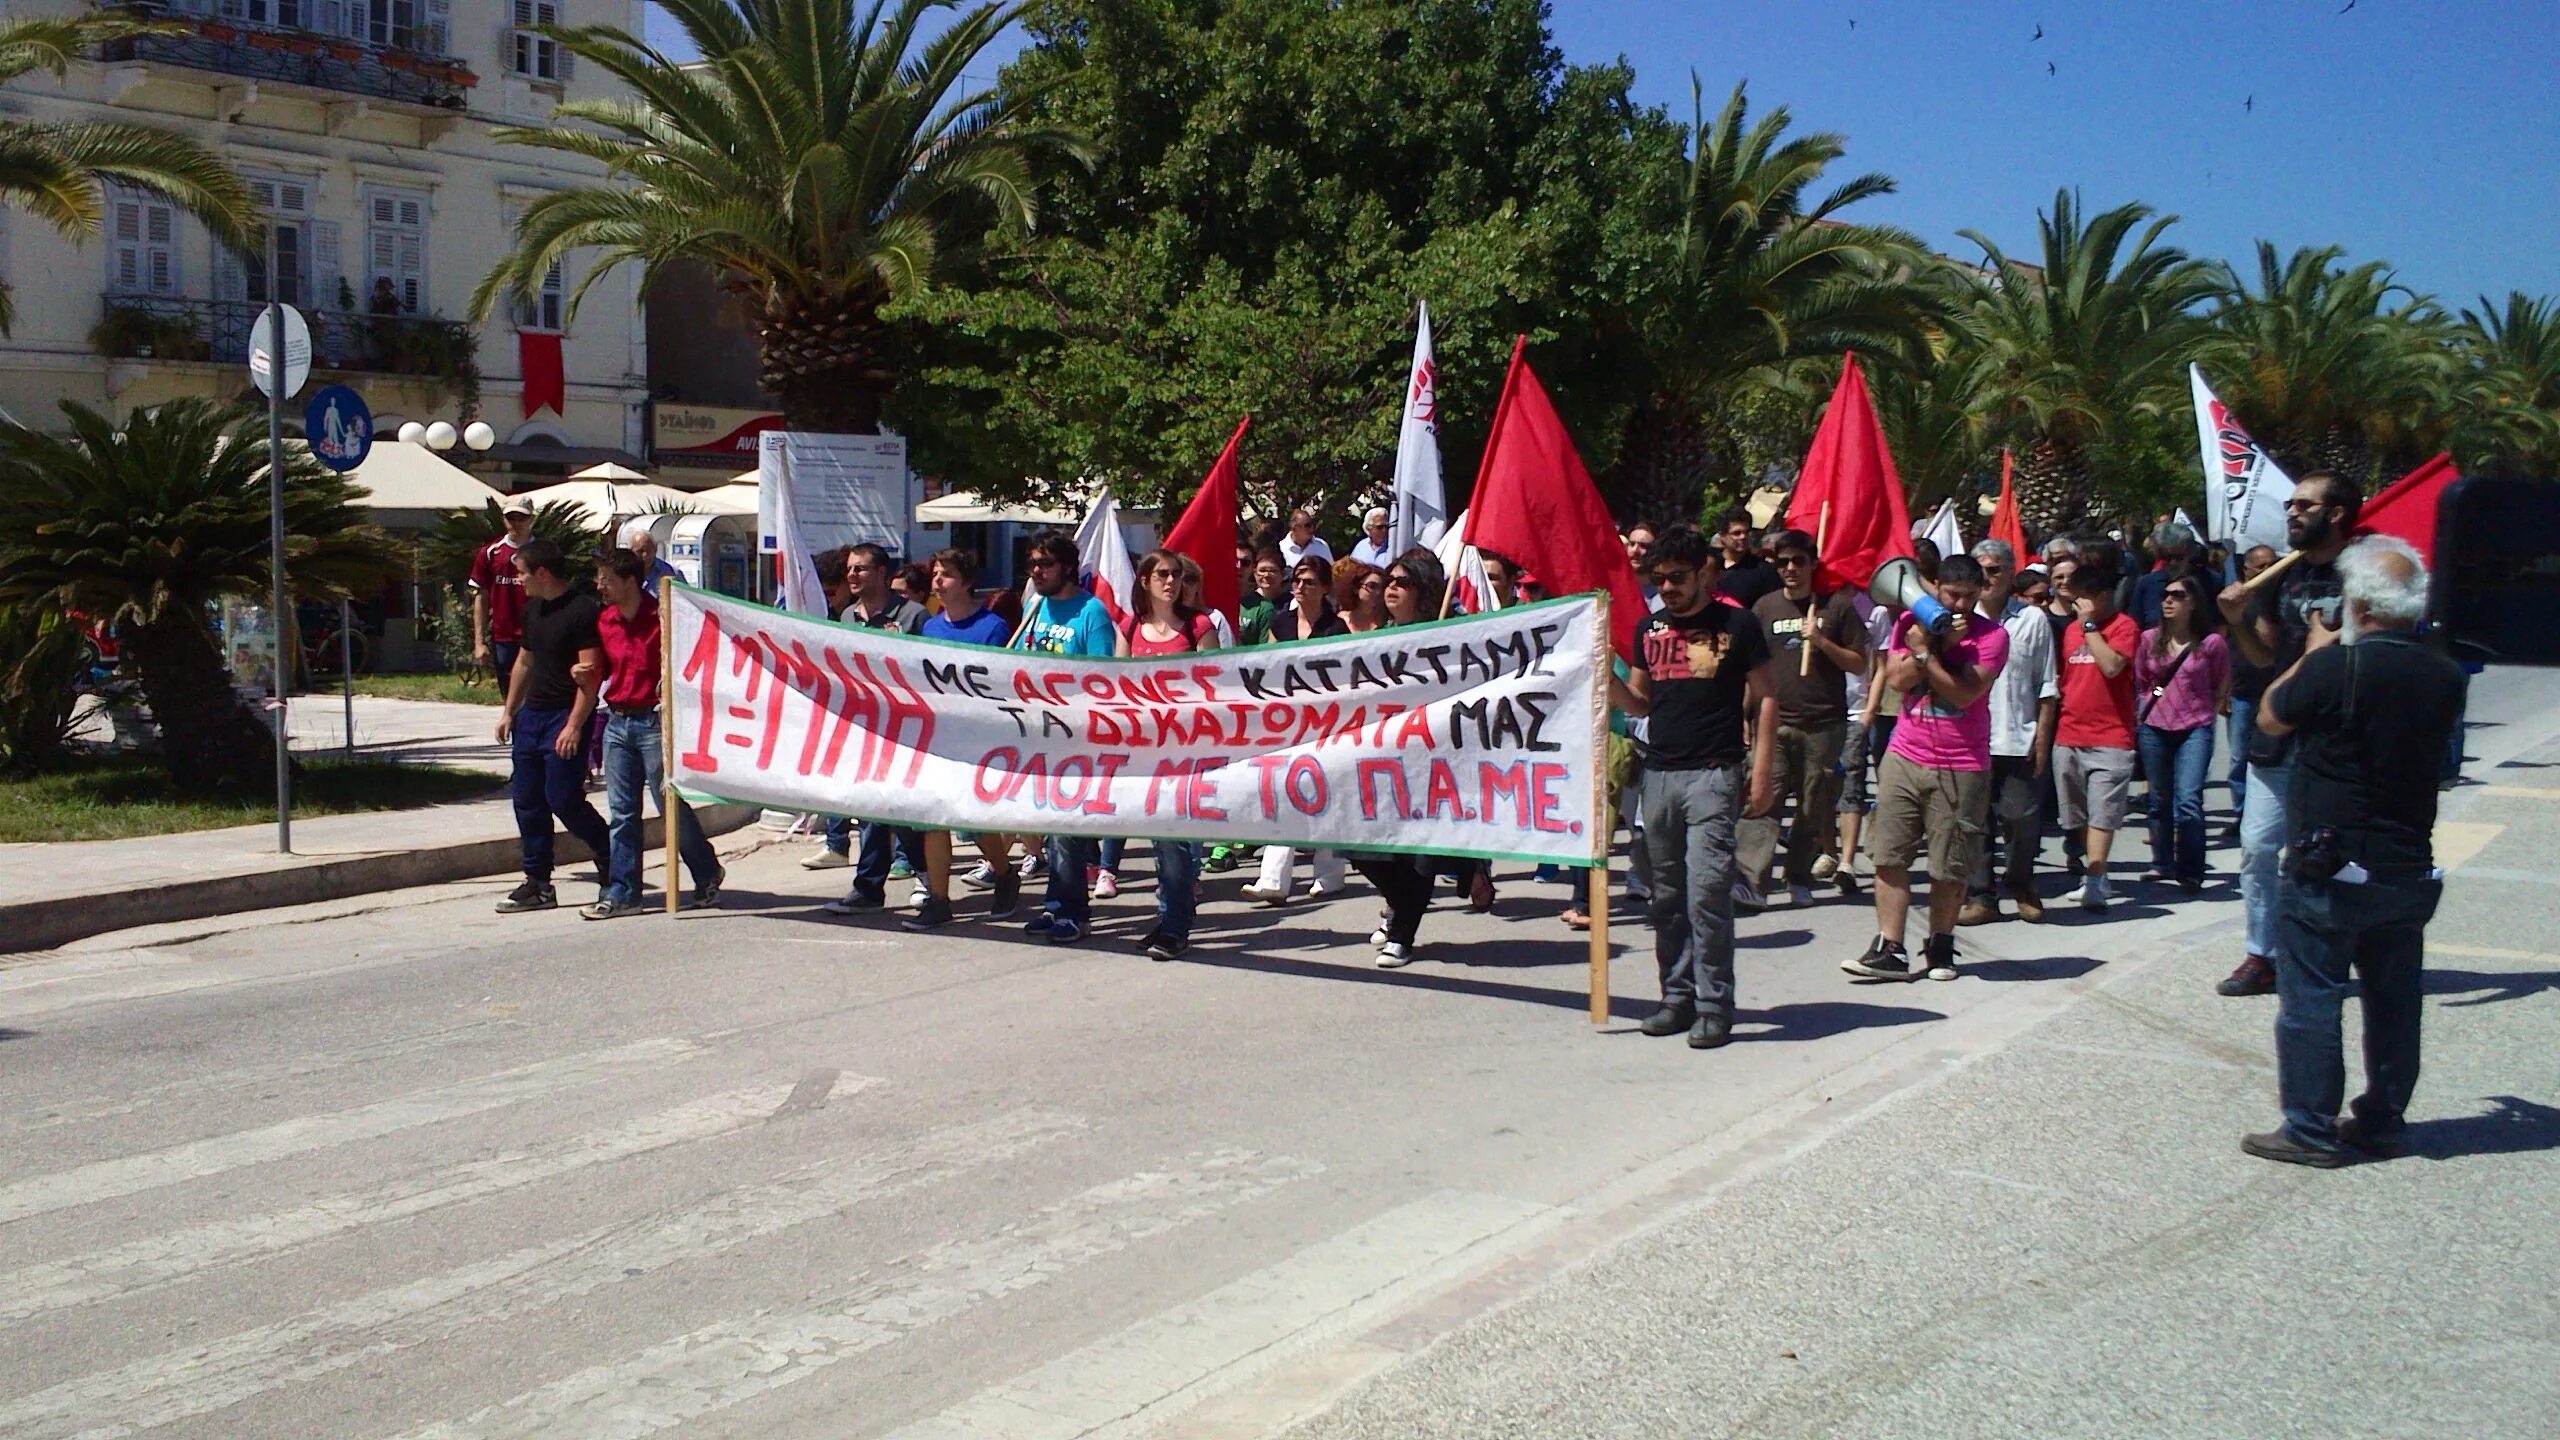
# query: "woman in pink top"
{"points": [[1164, 623], [2181, 676]]}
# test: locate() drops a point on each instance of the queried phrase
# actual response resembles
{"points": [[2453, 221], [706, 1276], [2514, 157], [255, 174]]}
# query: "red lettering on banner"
{"points": [[978, 778], [1441, 793], [1316, 722], [1306, 785], [1027, 690], [792, 670], [1352, 725], [1501, 782], [702, 671], [1202, 789], [1393, 770], [1056, 796], [1100, 801], [1417, 726], [906, 709], [1206, 677], [857, 704], [1270, 767], [1173, 770], [1385, 714], [1544, 776]]}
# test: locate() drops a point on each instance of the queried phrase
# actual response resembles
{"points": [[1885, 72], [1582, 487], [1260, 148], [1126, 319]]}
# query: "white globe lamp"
{"points": [[413, 433], [478, 435], [441, 435]]}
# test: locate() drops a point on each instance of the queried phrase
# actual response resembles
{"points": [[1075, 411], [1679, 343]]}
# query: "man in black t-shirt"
{"points": [[1746, 576], [2370, 718], [2270, 626], [1702, 676], [549, 699]]}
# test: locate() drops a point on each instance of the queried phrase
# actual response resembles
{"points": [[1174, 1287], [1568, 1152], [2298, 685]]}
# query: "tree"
{"points": [[1757, 273], [42, 655], [825, 160], [2512, 415], [150, 524], [445, 552], [1280, 181], [56, 172], [2070, 352]]}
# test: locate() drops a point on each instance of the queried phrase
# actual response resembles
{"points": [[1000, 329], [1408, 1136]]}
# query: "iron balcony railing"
{"points": [[150, 327], [224, 46]]}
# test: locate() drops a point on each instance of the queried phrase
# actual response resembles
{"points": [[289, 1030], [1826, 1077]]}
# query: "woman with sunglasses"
{"points": [[1165, 623], [1359, 596], [2181, 678], [1415, 584]]}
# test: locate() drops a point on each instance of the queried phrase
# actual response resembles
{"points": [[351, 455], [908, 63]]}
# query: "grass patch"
{"points": [[445, 687], [113, 797]]}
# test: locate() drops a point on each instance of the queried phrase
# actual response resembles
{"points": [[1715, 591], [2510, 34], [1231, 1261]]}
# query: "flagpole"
{"points": [[667, 801], [1597, 905], [1821, 537]]}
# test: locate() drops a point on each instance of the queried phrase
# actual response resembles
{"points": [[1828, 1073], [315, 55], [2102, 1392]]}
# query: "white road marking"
{"points": [[1143, 1373], [204, 1378], [724, 1364], [132, 1174], [158, 1260]]}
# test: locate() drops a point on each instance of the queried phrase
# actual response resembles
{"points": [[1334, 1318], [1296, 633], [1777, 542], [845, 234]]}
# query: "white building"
{"points": [[363, 130]]}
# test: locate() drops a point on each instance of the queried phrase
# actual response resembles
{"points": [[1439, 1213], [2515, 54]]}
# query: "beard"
{"points": [[2310, 531]]}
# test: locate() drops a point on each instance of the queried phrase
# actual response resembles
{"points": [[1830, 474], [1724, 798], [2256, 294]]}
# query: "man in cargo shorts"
{"points": [[1933, 786]]}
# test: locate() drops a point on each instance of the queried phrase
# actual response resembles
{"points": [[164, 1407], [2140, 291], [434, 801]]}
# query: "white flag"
{"points": [[1420, 514], [2244, 491], [1103, 553], [1471, 590], [1943, 532], [801, 592]]}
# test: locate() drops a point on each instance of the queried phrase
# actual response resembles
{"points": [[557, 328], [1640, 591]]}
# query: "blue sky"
{"points": [[2426, 134]]}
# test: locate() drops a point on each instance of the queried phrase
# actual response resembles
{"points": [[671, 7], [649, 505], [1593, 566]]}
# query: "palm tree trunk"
{"points": [[2053, 487], [208, 739], [828, 360], [1662, 470]]}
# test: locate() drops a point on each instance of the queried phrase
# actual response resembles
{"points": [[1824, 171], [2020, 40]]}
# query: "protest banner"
{"points": [[1479, 736]]}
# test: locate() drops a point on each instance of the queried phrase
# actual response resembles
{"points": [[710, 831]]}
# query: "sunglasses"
{"points": [[1043, 563], [1786, 560], [2296, 507], [1674, 577], [1404, 580]]}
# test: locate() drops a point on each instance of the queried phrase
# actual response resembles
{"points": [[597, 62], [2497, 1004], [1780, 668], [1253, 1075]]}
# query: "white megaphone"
{"points": [[1898, 587]]}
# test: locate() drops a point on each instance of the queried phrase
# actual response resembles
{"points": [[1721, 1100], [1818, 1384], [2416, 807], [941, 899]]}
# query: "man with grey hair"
{"points": [[2369, 710], [2025, 702], [1371, 548], [2173, 549]]}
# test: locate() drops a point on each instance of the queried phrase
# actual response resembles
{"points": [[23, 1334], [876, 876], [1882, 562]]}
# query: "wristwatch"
{"points": [[2088, 627]]}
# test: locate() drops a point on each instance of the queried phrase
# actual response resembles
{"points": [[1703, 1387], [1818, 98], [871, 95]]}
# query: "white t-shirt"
{"points": [[1291, 552], [1879, 635], [1371, 552], [2027, 679]]}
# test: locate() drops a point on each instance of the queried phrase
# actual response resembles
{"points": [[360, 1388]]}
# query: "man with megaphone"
{"points": [[1933, 786]]}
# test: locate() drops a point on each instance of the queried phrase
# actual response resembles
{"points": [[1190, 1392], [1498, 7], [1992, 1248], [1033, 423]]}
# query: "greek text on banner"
{"points": [[1474, 736]]}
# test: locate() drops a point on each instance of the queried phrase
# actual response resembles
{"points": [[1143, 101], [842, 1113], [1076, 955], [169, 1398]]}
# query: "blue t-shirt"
{"points": [[983, 627], [1074, 624]]}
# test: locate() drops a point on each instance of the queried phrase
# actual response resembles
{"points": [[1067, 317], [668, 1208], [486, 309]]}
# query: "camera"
{"points": [[2316, 856]]}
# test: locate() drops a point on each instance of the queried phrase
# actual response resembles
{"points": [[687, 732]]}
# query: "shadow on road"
{"points": [[2515, 1127], [1621, 1007], [2004, 972], [2500, 986], [1822, 1019], [7, 1034]]}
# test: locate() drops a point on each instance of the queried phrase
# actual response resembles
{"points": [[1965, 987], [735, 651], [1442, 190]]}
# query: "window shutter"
{"points": [[437, 38], [230, 275], [326, 268]]}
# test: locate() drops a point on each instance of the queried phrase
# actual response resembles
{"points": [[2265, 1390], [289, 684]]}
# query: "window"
{"points": [[142, 250], [536, 57], [393, 23], [287, 13], [544, 309], [287, 206], [395, 248]]}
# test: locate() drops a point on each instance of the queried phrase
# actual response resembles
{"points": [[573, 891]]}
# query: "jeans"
{"points": [[1807, 767], [1177, 886], [871, 867], [2261, 853], [634, 764], [2375, 932], [1070, 857], [2236, 730], [544, 785], [2015, 827], [1691, 817], [1110, 849], [2177, 761], [839, 834], [502, 659]]}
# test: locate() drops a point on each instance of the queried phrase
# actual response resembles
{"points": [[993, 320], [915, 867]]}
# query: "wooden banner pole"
{"points": [[1598, 902], [2282, 564], [667, 801], [1821, 538]]}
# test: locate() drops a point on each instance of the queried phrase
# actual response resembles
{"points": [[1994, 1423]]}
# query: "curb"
{"points": [[48, 924]]}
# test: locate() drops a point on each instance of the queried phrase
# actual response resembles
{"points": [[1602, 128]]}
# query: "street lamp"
{"points": [[440, 435]]}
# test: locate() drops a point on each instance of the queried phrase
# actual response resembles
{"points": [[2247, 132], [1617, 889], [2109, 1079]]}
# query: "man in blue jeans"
{"points": [[635, 741], [871, 605], [2369, 709], [550, 697], [1064, 620]]}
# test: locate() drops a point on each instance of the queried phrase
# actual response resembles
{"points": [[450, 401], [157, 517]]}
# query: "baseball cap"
{"points": [[515, 505]]}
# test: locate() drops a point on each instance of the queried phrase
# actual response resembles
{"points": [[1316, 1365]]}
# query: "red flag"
{"points": [[1850, 470], [2004, 515], [546, 384], [2406, 508], [1534, 502], [1207, 530]]}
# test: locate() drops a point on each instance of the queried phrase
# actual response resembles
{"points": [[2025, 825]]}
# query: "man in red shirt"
{"points": [[634, 745], [497, 592], [2093, 753]]}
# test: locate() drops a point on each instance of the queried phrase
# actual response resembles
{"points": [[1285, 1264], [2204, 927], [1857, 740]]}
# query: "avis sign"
{"points": [[1475, 736]]}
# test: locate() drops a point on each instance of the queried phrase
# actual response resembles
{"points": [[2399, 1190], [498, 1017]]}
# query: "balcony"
{"points": [[216, 45], [138, 327]]}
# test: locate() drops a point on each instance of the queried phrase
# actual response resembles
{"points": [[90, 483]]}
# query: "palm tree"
{"points": [[445, 552], [2513, 414], [1759, 274], [56, 172], [149, 526], [2330, 364], [809, 158], [2067, 353], [1935, 422]]}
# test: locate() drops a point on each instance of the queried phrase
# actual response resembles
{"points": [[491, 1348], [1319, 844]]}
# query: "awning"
{"points": [[604, 502], [731, 499], [397, 476], [614, 471], [962, 507]]}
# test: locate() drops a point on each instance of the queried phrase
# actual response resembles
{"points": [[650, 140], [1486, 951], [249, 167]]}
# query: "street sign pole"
{"points": [[276, 372]]}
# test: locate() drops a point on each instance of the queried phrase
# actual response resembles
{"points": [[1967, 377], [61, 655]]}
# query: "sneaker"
{"points": [[1267, 897], [931, 914], [1940, 952], [1713, 1031], [1219, 860], [1639, 893], [1161, 946], [2155, 876], [1978, 912], [917, 897], [706, 894], [1394, 955], [827, 860], [1040, 924], [530, 895], [1321, 892], [2094, 893], [899, 869], [2281, 1146], [1378, 936], [1825, 867], [1007, 900], [1549, 875], [982, 876], [611, 908], [1799, 896], [2256, 975], [1847, 882], [1883, 960], [1106, 886], [1670, 1020], [855, 902], [2030, 904], [1747, 899], [1063, 931], [1033, 866]]}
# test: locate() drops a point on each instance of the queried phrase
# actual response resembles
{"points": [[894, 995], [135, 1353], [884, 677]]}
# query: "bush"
{"points": [[44, 655]]}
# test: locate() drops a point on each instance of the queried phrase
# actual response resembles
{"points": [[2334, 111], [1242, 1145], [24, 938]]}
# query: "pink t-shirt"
{"points": [[1203, 626], [1929, 734]]}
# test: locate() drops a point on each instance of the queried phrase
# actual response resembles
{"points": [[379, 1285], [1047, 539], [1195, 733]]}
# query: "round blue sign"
{"points": [[339, 427]]}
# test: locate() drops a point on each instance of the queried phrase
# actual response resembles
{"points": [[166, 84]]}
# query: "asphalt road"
{"points": [[406, 1168]]}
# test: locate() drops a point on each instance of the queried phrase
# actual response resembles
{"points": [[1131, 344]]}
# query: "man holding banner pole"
{"points": [[963, 621], [627, 631]]}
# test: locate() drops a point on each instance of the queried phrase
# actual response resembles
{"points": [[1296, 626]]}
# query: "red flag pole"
{"points": [[1821, 537]]}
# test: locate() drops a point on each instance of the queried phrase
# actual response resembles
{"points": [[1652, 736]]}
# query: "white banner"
{"points": [[1476, 736], [846, 489], [2244, 491]]}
